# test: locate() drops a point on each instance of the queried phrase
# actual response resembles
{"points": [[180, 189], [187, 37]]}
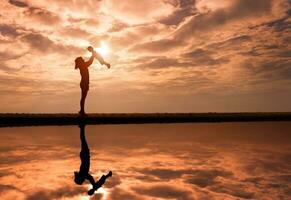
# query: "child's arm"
{"points": [[90, 61]]}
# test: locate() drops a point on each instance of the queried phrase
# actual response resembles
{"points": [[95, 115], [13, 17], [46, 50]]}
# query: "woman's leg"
{"points": [[82, 101]]}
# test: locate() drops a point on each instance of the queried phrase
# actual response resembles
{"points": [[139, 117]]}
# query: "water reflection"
{"points": [[83, 173], [173, 161]]}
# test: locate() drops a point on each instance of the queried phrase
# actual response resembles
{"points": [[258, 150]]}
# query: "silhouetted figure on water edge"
{"points": [[83, 173], [83, 67]]}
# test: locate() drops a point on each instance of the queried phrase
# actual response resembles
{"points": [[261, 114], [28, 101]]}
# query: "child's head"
{"points": [[78, 178], [78, 61], [90, 48]]}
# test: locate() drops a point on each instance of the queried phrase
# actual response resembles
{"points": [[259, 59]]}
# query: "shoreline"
{"points": [[23, 119]]}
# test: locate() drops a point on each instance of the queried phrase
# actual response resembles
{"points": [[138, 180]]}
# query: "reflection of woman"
{"points": [[83, 67], [83, 173]]}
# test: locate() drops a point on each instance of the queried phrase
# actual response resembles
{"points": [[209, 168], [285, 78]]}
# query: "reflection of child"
{"points": [[98, 57], [99, 183]]}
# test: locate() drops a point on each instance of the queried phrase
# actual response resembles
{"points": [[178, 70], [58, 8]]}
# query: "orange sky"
{"points": [[166, 56]]}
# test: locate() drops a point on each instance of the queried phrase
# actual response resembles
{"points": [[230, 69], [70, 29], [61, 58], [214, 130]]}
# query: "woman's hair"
{"points": [[78, 62]]}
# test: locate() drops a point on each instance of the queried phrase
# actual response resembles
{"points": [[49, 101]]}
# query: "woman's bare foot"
{"points": [[81, 112]]}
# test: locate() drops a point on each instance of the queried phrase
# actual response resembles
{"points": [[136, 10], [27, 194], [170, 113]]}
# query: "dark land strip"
{"points": [[11, 120]]}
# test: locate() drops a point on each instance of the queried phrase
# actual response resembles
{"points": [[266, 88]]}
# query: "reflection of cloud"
{"points": [[58, 193], [174, 161], [207, 177], [118, 193], [114, 181], [7, 187], [97, 196], [233, 190], [164, 191], [29, 154], [165, 173]]}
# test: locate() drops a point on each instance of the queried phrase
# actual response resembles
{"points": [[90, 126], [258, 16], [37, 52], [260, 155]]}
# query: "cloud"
{"points": [[75, 32], [4, 56], [17, 3], [157, 45], [162, 62], [185, 9], [117, 26], [44, 44], [43, 16], [202, 57], [39, 42], [133, 12], [230, 44], [217, 18], [9, 30], [202, 22]]}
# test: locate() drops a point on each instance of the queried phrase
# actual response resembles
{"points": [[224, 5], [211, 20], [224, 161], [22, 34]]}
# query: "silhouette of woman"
{"points": [[83, 173], [83, 67]]}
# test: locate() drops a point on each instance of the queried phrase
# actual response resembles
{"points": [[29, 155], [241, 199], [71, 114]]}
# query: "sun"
{"points": [[103, 49]]}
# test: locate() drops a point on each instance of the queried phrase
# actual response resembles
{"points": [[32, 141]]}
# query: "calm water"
{"points": [[168, 161]]}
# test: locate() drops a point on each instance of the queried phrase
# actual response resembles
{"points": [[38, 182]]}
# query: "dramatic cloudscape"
{"points": [[166, 55]]}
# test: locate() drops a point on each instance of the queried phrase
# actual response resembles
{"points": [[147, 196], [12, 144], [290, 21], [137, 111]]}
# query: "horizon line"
{"points": [[34, 119]]}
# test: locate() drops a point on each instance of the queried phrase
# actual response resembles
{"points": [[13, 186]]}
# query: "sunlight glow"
{"points": [[103, 49], [103, 192], [100, 190], [85, 197]]}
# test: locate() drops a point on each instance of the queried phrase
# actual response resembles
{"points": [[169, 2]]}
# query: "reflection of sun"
{"points": [[103, 192], [103, 49], [84, 197]]}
